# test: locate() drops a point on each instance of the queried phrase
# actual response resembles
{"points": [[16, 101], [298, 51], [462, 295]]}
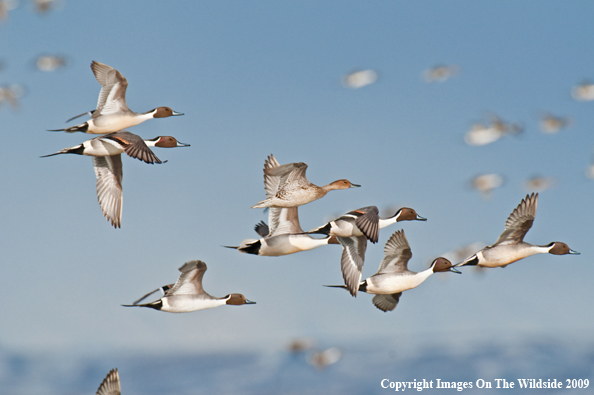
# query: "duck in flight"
{"points": [[112, 113]]}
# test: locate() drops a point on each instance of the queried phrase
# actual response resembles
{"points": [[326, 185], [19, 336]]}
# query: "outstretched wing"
{"points": [[134, 146], [519, 221], [108, 170], [368, 222], [110, 384], [397, 253], [386, 302], [190, 279], [352, 260], [112, 98]]}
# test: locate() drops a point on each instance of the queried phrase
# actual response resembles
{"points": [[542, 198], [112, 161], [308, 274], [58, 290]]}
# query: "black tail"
{"points": [[362, 286], [324, 230], [79, 149], [83, 127], [253, 248], [157, 305]]}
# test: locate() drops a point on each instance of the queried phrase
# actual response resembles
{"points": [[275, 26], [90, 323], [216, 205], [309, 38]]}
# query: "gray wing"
{"points": [[262, 229], [287, 220], [386, 302], [134, 146], [368, 222], [110, 384], [352, 260], [519, 221], [397, 253], [108, 170], [112, 98], [190, 279]]}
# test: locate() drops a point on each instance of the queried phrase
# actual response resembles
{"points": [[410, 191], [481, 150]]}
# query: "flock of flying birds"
{"points": [[286, 188]]}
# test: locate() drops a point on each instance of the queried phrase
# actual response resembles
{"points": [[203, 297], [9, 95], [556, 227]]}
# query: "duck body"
{"points": [[284, 244], [187, 294], [106, 152], [112, 113], [390, 283], [511, 247], [352, 231], [393, 276], [291, 187]]}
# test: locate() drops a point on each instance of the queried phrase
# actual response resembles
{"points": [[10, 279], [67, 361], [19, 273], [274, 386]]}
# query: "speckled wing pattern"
{"points": [[352, 260], [397, 253], [386, 302], [368, 222], [519, 221], [108, 170], [190, 279], [281, 220], [110, 384], [112, 98]]}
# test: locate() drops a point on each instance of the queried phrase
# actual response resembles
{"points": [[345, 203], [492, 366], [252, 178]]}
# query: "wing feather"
{"points": [[108, 170], [519, 221]]}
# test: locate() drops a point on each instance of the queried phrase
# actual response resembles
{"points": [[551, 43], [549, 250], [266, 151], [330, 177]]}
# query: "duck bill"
{"points": [[249, 302], [419, 218], [180, 144], [354, 185], [572, 252], [174, 113], [453, 270]]}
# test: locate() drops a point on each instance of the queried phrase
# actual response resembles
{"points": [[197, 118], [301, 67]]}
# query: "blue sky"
{"points": [[262, 77]]}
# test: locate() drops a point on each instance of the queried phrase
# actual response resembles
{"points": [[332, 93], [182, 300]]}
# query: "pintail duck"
{"points": [[110, 384], [393, 276], [112, 114], [284, 236], [510, 246], [106, 152], [292, 187], [187, 294], [352, 231]]}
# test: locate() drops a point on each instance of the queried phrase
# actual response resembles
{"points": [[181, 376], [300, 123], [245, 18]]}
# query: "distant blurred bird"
{"points": [[539, 184], [49, 63], [323, 359], [187, 294], [300, 345], [463, 252], [106, 152], [481, 134], [292, 187], [5, 7], [552, 124], [112, 114], [110, 384], [583, 91], [11, 94], [393, 276], [353, 230], [359, 79], [486, 183], [44, 6], [590, 172], [510, 246], [440, 73]]}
